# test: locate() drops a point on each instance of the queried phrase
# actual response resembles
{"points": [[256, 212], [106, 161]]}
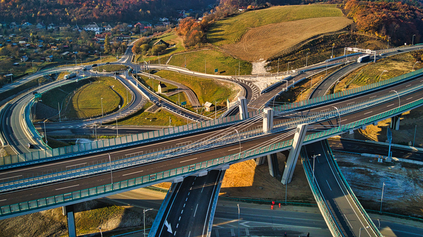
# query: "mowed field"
{"points": [[263, 33], [269, 40]]}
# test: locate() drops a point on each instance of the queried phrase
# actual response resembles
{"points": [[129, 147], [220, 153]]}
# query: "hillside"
{"points": [[262, 34], [84, 11]]}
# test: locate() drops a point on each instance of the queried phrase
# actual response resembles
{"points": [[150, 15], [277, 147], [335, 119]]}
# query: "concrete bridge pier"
{"points": [[395, 122], [260, 160], [243, 109], [267, 120], [69, 213], [294, 153], [272, 162]]}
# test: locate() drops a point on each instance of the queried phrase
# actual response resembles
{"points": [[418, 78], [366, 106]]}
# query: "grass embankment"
{"points": [[153, 85], [230, 30], [110, 68], [205, 89], [19, 89], [320, 49], [169, 37], [160, 118], [371, 73], [85, 101], [209, 60]]}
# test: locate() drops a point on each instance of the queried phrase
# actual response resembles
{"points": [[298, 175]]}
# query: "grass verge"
{"points": [[160, 118], [110, 68], [205, 89], [209, 60]]}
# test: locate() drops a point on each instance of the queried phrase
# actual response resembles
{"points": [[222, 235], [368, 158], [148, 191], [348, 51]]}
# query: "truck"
{"points": [[69, 76], [363, 59]]}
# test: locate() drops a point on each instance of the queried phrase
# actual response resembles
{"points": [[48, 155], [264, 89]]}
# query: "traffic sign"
{"points": [[216, 70], [38, 96], [183, 103]]}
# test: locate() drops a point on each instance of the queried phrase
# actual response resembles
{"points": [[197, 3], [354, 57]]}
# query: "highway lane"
{"points": [[133, 172], [373, 148], [189, 210], [347, 215], [35, 170]]}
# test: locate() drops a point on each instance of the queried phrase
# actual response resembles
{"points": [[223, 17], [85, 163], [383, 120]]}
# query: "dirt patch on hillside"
{"points": [[266, 41]]}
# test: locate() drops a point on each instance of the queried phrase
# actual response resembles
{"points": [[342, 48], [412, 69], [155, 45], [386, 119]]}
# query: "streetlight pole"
{"points": [[307, 58], [381, 196], [412, 42], [359, 233], [314, 158], [415, 130], [415, 65], [101, 233], [333, 45], [278, 66], [239, 140], [111, 170], [45, 131], [239, 218], [339, 114], [101, 107], [287, 70], [399, 100], [117, 128], [382, 74], [143, 212]]}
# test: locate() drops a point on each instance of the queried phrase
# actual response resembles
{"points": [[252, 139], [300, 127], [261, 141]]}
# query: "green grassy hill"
{"points": [[230, 30]]}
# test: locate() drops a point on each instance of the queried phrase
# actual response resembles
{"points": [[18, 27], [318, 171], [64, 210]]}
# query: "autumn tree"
{"points": [[107, 47]]}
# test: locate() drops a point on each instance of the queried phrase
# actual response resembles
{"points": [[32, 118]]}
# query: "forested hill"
{"points": [[85, 11]]}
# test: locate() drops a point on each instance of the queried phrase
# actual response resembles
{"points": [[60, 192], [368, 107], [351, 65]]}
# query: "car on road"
{"points": [[94, 65]]}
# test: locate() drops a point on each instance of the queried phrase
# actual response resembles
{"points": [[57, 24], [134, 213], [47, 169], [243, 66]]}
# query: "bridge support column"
{"points": [[68, 212], [267, 120], [243, 109], [395, 122], [293, 153], [272, 162], [260, 160]]}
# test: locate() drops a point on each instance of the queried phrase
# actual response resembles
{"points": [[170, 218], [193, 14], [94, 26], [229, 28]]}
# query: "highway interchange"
{"points": [[53, 189]]}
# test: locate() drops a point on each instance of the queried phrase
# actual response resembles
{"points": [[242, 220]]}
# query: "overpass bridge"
{"points": [[72, 193]]}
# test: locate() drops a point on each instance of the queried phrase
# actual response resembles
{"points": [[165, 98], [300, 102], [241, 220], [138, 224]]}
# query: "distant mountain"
{"points": [[85, 11]]}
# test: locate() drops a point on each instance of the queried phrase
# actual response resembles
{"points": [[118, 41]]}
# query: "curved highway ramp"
{"points": [[338, 204], [189, 207]]}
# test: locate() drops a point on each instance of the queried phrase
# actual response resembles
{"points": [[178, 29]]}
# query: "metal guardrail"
{"points": [[105, 190], [90, 169], [345, 94], [328, 216], [350, 191]]}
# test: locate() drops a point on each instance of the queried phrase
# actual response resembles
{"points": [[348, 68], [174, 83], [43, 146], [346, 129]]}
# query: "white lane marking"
{"points": [[133, 173], [189, 234], [186, 199], [3, 200], [409, 98], [188, 160], [203, 187], [76, 164], [373, 96], [408, 85], [328, 185], [182, 211], [235, 149], [76, 185], [368, 112], [177, 225], [389, 105], [185, 205], [195, 212], [344, 120], [179, 218], [345, 216], [189, 193], [11, 177]]}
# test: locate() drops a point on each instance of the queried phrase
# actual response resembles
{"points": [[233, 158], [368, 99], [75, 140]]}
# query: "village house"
{"points": [[209, 106], [162, 88]]}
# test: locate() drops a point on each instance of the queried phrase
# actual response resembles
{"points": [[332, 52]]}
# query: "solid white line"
{"points": [[76, 164], [133, 173], [389, 105], [76, 185], [328, 185], [408, 85], [3, 200], [344, 120], [345, 216], [195, 212], [368, 112], [189, 234], [188, 160], [409, 98], [235, 149], [11, 177]]}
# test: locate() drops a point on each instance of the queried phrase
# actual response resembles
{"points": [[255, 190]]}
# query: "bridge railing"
{"points": [[107, 189], [350, 191], [119, 142], [328, 216], [345, 94]]}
